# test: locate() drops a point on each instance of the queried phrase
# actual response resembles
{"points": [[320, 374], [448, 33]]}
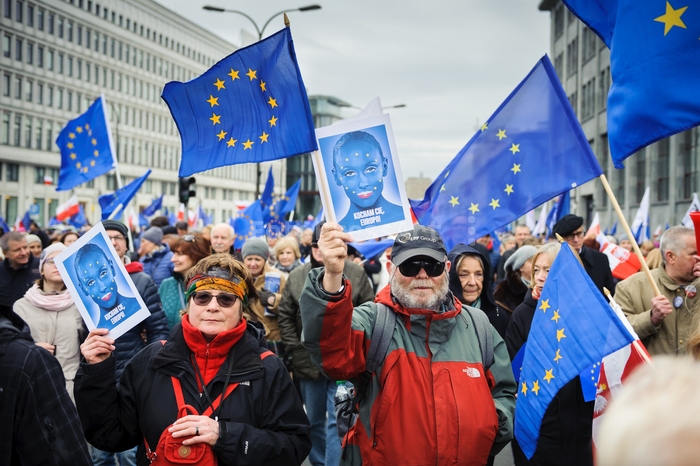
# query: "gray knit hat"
{"points": [[32, 239], [255, 247], [154, 235], [519, 257]]}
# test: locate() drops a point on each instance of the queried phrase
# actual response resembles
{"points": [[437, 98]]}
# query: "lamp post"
{"points": [[258, 171]]}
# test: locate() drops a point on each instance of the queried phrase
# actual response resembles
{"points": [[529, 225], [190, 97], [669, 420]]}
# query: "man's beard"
{"points": [[430, 299]]}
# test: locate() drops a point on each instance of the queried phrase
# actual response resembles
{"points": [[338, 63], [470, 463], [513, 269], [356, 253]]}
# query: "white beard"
{"points": [[426, 299]]}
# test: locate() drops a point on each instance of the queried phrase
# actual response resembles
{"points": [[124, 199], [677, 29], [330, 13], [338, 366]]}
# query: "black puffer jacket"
{"points": [[38, 422], [154, 328], [262, 422], [498, 317]]}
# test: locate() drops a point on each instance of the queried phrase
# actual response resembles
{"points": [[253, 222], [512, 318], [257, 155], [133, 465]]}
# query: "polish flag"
{"points": [[622, 262], [48, 180], [18, 225], [595, 225], [68, 209], [192, 218], [181, 213], [615, 369]]}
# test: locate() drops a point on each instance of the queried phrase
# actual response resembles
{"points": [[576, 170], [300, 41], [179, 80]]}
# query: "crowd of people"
{"points": [[242, 353]]}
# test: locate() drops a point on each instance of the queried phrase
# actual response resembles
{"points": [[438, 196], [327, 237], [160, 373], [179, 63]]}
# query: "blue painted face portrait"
{"points": [[96, 276]]}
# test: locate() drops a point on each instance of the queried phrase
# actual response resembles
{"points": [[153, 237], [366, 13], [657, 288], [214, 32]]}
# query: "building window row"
{"points": [[28, 131], [588, 100], [572, 57]]}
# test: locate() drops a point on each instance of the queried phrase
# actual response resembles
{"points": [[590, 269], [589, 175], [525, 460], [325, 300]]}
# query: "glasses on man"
{"points": [[189, 238], [117, 238], [576, 234], [202, 298], [412, 268]]}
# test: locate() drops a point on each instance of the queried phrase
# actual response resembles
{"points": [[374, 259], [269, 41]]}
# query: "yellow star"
{"points": [[556, 316], [73, 156], [213, 100], [94, 141], [272, 121], [672, 18], [79, 129], [494, 203], [219, 84], [524, 388], [215, 119], [96, 153], [603, 387], [251, 74], [514, 148], [536, 387], [484, 127], [234, 74], [516, 168], [85, 169], [87, 126], [70, 145], [222, 135], [442, 188], [501, 134], [263, 138], [454, 201], [447, 174], [560, 334], [92, 163], [78, 165], [272, 102], [262, 86], [545, 305], [509, 189], [557, 356], [548, 376], [248, 144], [474, 208], [231, 142], [71, 135]]}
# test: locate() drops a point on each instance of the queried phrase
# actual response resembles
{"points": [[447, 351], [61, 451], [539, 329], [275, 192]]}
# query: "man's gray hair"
{"points": [[229, 228], [10, 236], [673, 240]]}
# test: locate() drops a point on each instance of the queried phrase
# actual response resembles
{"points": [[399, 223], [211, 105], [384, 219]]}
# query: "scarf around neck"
{"points": [[49, 301]]}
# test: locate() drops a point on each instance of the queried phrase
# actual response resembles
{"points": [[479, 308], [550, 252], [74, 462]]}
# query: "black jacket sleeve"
{"points": [[156, 325]]}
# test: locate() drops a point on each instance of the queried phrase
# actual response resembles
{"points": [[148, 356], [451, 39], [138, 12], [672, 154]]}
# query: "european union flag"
{"points": [[247, 224], [529, 151], [654, 61], [249, 107], [112, 204], [562, 206], [78, 220], [86, 147], [206, 219], [4, 226], [155, 206], [370, 249], [267, 195], [282, 205], [573, 328]]}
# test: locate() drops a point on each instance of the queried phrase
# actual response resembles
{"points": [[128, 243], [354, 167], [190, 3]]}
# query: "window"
{"points": [[104, 44], [6, 48], [37, 133], [687, 161], [5, 129], [60, 27], [112, 47], [40, 93], [97, 9], [87, 72], [39, 173], [12, 172], [119, 47], [40, 19], [40, 56], [52, 18], [111, 183], [18, 49], [49, 60], [79, 69], [148, 186], [18, 10], [49, 100], [79, 35], [59, 98], [8, 8], [91, 183], [30, 53], [604, 87], [97, 41], [588, 100], [88, 38], [573, 100], [28, 132], [18, 87], [49, 136], [572, 56], [30, 15], [663, 170], [69, 101], [70, 66], [60, 63], [17, 129], [640, 172], [559, 65], [29, 91], [11, 206], [70, 31]]}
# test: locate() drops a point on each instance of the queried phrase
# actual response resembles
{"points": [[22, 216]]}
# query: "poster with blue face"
{"points": [[100, 285], [359, 177]]}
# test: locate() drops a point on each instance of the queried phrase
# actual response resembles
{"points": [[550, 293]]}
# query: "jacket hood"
{"points": [[12, 326], [488, 304], [133, 267]]}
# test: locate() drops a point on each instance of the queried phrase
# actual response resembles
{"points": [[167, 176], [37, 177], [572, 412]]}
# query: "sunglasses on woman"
{"points": [[202, 298], [413, 268], [189, 238]]}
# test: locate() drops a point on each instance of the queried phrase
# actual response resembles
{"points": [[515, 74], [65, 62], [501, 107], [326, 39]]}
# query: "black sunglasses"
{"points": [[189, 238], [202, 298], [413, 268]]}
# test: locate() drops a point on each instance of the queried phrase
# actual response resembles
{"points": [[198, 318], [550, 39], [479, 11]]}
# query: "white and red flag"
{"points": [[622, 262], [595, 224], [68, 209]]}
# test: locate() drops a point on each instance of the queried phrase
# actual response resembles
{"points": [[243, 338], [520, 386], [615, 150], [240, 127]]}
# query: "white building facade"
{"points": [[58, 56]]}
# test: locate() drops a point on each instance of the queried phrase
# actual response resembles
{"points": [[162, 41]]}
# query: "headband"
{"points": [[218, 279]]}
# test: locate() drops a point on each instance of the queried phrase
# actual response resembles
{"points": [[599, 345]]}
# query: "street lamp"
{"points": [[258, 171]]}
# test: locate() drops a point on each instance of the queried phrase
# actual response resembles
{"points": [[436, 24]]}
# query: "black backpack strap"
{"points": [[482, 326], [383, 330]]}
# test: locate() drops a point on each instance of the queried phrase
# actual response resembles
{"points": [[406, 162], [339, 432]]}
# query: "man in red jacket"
{"points": [[434, 400]]}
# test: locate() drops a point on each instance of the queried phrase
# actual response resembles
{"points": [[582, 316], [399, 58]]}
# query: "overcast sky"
{"points": [[452, 62]]}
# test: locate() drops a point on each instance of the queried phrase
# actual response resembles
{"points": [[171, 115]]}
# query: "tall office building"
{"points": [[669, 167], [58, 56]]}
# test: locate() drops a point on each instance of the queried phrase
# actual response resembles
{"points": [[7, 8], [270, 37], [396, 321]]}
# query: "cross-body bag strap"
{"points": [[484, 335]]}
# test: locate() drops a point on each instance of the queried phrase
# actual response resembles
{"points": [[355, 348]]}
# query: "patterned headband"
{"points": [[218, 279]]}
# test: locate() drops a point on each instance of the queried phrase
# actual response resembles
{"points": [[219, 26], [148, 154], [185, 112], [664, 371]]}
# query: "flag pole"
{"points": [[324, 190], [631, 237]]}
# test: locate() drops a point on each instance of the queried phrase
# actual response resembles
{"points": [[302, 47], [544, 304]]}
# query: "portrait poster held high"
{"points": [[100, 285], [360, 179]]}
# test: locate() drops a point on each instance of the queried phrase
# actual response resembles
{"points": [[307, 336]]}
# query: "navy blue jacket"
{"points": [[158, 265], [14, 283]]}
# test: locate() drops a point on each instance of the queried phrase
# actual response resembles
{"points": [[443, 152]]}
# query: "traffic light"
{"points": [[185, 189]]}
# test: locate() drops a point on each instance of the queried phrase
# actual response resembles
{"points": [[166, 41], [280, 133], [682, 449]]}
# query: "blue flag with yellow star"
{"points": [[573, 328], [529, 151], [119, 199], [86, 147], [249, 107], [247, 224], [654, 62]]}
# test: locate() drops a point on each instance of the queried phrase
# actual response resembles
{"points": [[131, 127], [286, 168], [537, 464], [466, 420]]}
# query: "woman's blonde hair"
{"points": [[550, 250], [287, 242]]}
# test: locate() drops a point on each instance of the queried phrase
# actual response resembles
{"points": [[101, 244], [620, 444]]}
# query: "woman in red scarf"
{"points": [[249, 412]]}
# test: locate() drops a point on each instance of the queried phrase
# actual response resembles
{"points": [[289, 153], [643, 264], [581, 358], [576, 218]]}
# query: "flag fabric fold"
{"points": [[694, 207], [119, 199], [204, 217], [68, 208], [247, 224], [86, 146], [530, 150], [654, 57], [623, 263], [155, 206], [573, 328], [249, 107], [3, 224], [640, 224], [370, 249]]}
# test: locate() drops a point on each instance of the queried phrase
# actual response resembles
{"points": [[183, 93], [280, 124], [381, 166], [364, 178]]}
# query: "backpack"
{"points": [[346, 411]]}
